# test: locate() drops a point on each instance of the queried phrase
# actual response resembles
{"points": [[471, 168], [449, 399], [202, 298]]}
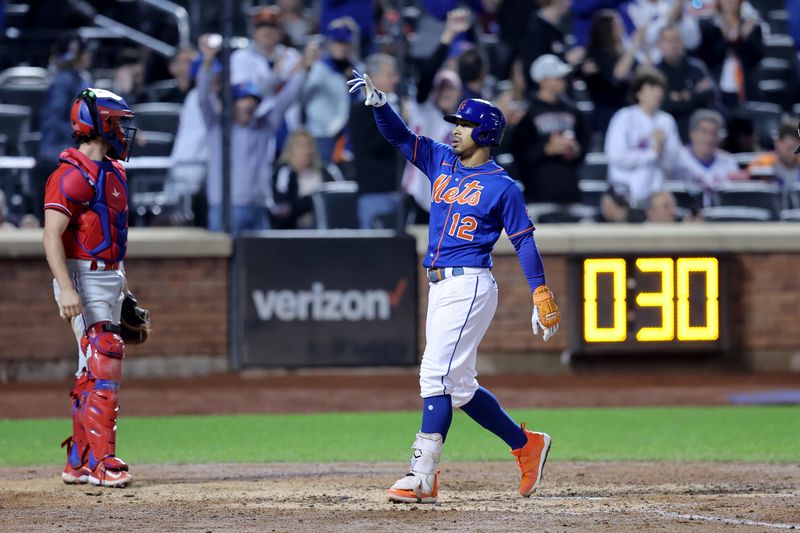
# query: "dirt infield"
{"points": [[350, 497]]}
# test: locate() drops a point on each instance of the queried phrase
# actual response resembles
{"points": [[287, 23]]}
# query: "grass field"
{"points": [[750, 434]]}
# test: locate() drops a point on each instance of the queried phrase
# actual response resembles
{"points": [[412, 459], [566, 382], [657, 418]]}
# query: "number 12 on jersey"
{"points": [[462, 227]]}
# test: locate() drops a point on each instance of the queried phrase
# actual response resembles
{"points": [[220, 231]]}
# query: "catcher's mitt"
{"points": [[134, 321]]}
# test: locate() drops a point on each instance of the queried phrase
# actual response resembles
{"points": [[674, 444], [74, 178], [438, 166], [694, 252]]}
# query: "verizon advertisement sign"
{"points": [[326, 301]]}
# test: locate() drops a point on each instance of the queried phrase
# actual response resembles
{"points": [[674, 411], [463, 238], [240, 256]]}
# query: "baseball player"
{"points": [[472, 201], [85, 238]]}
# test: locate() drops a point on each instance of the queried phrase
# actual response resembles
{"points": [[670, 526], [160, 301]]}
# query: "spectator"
{"points": [[325, 99], [265, 62], [472, 71], [438, 93], [642, 142], [689, 85], [512, 98], [294, 21], [653, 16], [614, 207], [732, 46], [782, 163], [547, 142], [301, 173], [9, 222], [661, 208], [741, 136], [71, 56], [377, 163], [180, 67], [129, 77], [544, 35], [608, 66], [585, 11], [256, 120], [359, 10], [702, 163]]}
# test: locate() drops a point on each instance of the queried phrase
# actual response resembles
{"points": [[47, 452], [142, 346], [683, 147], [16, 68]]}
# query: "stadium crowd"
{"points": [[617, 110]]}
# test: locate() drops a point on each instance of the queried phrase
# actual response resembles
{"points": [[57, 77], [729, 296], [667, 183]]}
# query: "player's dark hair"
{"points": [[470, 66]]}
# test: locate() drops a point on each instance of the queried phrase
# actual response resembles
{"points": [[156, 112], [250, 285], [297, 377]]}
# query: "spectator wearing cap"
{"points": [[642, 142], [732, 47], [689, 84], [544, 35], [378, 165], [609, 65], [256, 120], [325, 100], [547, 142], [783, 163], [266, 62], [701, 163], [362, 11]]}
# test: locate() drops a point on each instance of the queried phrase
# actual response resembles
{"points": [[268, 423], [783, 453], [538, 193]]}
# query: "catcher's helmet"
{"points": [[487, 117], [101, 113]]}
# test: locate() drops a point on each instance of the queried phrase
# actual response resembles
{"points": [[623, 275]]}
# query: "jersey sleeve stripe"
{"points": [[54, 205], [521, 232]]}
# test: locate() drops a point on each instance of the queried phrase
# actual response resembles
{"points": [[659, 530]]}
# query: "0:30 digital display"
{"points": [[649, 302]]}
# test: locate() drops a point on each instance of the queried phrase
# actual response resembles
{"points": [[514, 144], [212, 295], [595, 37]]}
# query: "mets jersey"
{"points": [[470, 206]]}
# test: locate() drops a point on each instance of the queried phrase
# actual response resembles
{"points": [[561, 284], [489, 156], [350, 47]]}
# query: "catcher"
{"points": [[85, 238]]}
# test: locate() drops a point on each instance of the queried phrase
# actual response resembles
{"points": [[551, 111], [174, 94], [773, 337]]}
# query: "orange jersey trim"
{"points": [[521, 232], [416, 142], [444, 228]]}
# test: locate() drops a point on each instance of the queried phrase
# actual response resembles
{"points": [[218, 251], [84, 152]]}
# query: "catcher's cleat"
{"points": [[111, 472], [531, 459], [75, 476], [409, 489]]}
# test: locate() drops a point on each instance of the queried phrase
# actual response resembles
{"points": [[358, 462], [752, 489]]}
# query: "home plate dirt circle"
{"points": [[351, 497]]}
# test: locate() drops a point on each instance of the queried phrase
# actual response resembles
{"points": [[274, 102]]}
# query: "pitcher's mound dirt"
{"points": [[351, 497]]}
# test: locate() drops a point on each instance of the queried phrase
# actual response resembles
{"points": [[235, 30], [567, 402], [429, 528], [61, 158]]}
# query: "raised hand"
{"points": [[373, 97]]}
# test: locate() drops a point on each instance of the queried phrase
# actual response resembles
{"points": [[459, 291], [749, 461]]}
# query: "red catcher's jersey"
{"points": [[94, 195]]}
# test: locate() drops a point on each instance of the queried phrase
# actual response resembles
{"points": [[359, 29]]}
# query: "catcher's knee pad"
{"points": [[106, 350]]}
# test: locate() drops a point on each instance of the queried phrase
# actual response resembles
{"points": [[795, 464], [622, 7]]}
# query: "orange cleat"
{"points": [[411, 489], [531, 459]]}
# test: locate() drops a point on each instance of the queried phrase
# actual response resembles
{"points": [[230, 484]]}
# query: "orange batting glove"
{"points": [[545, 313]]}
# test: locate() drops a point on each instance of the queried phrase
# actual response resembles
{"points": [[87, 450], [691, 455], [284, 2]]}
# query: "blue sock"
{"points": [[484, 409], [437, 414]]}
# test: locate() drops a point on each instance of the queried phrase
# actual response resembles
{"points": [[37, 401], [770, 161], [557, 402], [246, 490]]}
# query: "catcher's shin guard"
{"points": [[105, 366], [421, 484], [77, 470]]}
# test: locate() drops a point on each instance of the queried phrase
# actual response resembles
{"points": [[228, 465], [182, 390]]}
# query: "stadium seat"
{"points": [[790, 215], [3, 141], [15, 121], [30, 96], [592, 191], [21, 76], [736, 214], [29, 144], [792, 197], [157, 117], [688, 197], [780, 46], [743, 159], [153, 144], [750, 194], [336, 205], [594, 167], [569, 214], [778, 20]]}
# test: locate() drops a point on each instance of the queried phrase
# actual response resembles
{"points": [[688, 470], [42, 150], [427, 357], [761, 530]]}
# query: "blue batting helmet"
{"points": [[101, 113], [487, 117]]}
